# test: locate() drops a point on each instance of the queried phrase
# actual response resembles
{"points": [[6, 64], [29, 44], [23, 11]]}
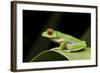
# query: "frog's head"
{"points": [[49, 33]]}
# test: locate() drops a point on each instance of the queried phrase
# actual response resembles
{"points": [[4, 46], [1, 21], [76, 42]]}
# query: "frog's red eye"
{"points": [[50, 31]]}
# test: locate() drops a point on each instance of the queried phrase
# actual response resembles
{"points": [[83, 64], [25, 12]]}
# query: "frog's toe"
{"points": [[67, 50], [56, 48]]}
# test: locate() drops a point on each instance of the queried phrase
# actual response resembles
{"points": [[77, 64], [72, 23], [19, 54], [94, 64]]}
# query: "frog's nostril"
{"points": [[50, 31]]}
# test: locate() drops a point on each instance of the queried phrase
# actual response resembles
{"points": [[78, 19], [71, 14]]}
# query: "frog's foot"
{"points": [[56, 48], [68, 51]]}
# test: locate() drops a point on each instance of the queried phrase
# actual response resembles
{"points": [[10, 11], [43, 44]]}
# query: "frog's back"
{"points": [[67, 37]]}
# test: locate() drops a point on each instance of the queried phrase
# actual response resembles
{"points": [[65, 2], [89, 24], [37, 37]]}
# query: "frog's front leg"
{"points": [[62, 46], [76, 46]]}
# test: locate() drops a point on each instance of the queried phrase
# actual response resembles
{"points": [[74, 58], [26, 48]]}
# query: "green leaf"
{"points": [[56, 55]]}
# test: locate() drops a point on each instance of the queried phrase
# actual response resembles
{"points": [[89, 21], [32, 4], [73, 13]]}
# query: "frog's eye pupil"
{"points": [[50, 31]]}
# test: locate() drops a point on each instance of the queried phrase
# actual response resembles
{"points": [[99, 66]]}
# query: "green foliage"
{"points": [[56, 55]]}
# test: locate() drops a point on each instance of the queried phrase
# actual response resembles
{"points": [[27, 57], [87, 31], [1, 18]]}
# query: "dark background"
{"points": [[35, 22]]}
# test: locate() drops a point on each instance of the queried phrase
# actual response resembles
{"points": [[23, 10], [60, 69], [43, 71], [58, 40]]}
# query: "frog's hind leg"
{"points": [[77, 46]]}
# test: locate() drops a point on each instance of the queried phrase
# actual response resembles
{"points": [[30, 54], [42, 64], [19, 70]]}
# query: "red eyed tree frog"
{"points": [[66, 41]]}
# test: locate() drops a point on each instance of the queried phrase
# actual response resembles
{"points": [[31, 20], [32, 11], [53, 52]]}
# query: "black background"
{"points": [[35, 22]]}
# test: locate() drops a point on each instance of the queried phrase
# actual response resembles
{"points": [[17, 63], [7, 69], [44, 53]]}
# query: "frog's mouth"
{"points": [[58, 40]]}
